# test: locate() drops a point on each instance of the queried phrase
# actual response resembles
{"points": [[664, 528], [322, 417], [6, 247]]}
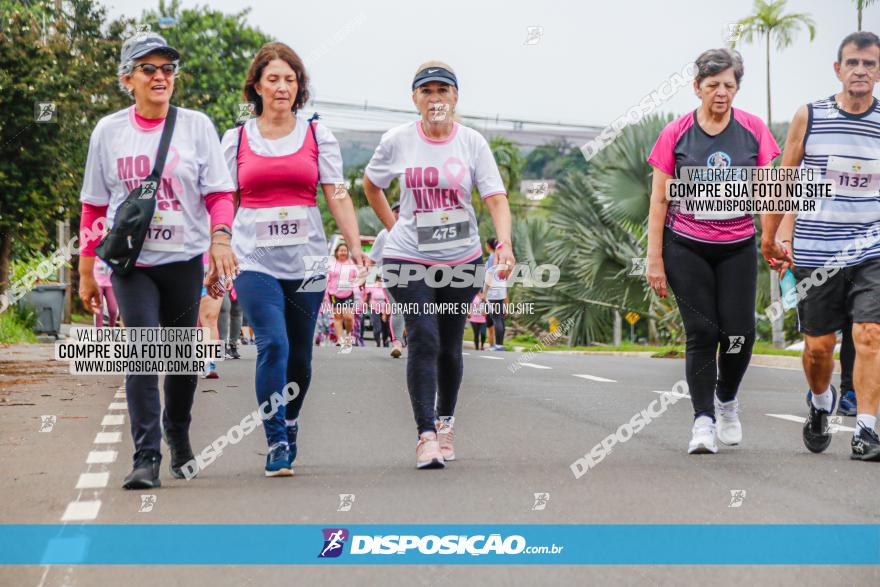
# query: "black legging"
{"points": [[496, 314], [847, 358], [479, 329], [168, 296], [434, 362], [714, 286]]}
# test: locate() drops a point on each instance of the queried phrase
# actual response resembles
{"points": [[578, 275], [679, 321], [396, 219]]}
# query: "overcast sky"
{"points": [[594, 60]]}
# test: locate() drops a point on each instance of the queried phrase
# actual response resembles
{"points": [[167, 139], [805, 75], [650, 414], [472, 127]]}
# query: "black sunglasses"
{"points": [[150, 69]]}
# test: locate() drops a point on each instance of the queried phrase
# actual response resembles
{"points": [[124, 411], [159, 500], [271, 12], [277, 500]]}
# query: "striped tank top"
{"points": [[845, 148]]}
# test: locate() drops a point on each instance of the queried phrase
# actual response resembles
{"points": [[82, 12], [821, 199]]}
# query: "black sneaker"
{"points": [[145, 473], [232, 351], [181, 452], [817, 436], [865, 445]]}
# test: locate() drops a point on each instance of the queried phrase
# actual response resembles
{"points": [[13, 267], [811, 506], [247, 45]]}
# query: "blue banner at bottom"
{"points": [[565, 544]]}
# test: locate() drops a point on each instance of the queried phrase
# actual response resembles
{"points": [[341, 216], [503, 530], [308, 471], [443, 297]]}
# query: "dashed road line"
{"points": [[535, 366], [801, 420], [594, 378]]}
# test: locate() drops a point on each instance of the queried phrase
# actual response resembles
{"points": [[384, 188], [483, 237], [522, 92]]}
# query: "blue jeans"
{"points": [[283, 320]]}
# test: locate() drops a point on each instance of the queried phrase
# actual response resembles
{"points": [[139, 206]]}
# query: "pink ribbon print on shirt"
{"points": [[425, 185]]}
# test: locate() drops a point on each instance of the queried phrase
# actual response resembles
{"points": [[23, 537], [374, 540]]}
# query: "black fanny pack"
{"points": [[122, 245]]}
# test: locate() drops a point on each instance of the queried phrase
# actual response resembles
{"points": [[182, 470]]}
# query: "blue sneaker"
{"points": [[291, 441], [278, 461], [847, 405]]}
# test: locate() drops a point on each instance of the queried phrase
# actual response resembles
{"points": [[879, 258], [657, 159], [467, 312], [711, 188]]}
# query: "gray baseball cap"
{"points": [[143, 44]]}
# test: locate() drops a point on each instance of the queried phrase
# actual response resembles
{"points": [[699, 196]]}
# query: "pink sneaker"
{"points": [[428, 455], [446, 436]]}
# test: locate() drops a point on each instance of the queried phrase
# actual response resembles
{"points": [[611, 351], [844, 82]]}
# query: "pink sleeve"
{"points": [[663, 154], [90, 214], [768, 149], [221, 208]]}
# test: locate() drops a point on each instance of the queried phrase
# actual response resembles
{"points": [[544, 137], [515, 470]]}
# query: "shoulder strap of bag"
{"points": [[314, 118], [238, 144], [164, 142]]}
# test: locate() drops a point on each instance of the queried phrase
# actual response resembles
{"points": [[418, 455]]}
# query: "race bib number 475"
{"points": [[443, 229]]}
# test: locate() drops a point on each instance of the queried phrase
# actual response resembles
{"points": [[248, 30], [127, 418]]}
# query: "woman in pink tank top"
{"points": [[277, 161]]}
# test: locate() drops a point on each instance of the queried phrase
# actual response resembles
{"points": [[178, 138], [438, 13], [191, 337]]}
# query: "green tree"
{"points": [[216, 50], [553, 160], [769, 23], [55, 54], [860, 6]]}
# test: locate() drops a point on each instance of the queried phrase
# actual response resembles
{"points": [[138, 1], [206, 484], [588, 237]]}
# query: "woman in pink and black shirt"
{"points": [[710, 262], [194, 211], [278, 160]]}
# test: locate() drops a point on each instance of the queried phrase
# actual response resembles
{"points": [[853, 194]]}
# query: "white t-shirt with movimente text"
{"points": [[437, 223]]}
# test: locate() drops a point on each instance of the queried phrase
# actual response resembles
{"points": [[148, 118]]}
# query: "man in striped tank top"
{"points": [[836, 250]]}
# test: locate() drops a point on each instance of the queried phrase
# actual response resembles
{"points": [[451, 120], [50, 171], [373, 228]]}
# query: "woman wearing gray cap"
{"points": [[437, 162], [194, 210]]}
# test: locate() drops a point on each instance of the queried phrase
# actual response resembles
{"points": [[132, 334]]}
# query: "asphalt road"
{"points": [[517, 434]]}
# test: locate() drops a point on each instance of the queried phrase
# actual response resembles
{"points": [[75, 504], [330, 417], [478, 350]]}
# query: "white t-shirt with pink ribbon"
{"points": [[122, 154], [437, 223]]}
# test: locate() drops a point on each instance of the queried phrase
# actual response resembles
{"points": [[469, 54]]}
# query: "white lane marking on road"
{"points": [[465, 353], [113, 420], [534, 366], [493, 358], [108, 437], [80, 511], [93, 480], [98, 457], [117, 406], [801, 420], [119, 395], [672, 393], [594, 378]]}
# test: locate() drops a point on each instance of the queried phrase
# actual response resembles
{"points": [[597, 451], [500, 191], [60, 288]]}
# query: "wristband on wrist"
{"points": [[222, 229], [500, 245]]}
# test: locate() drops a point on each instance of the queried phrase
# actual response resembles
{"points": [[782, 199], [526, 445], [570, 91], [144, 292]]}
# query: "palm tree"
{"points": [[768, 23], [861, 5]]}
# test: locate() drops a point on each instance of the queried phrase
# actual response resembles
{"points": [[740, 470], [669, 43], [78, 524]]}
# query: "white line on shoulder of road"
{"points": [[113, 420], [493, 358], [108, 437], [535, 366], [97, 457], [801, 420], [672, 393], [80, 511], [118, 406], [93, 480], [594, 378]]}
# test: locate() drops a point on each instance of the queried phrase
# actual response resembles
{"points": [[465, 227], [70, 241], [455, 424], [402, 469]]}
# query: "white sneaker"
{"points": [[703, 440], [729, 429]]}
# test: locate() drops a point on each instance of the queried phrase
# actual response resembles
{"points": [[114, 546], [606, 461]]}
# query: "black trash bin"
{"points": [[47, 301]]}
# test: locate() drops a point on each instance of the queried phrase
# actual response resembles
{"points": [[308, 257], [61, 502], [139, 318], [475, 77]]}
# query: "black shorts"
{"points": [[851, 293], [342, 304]]}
